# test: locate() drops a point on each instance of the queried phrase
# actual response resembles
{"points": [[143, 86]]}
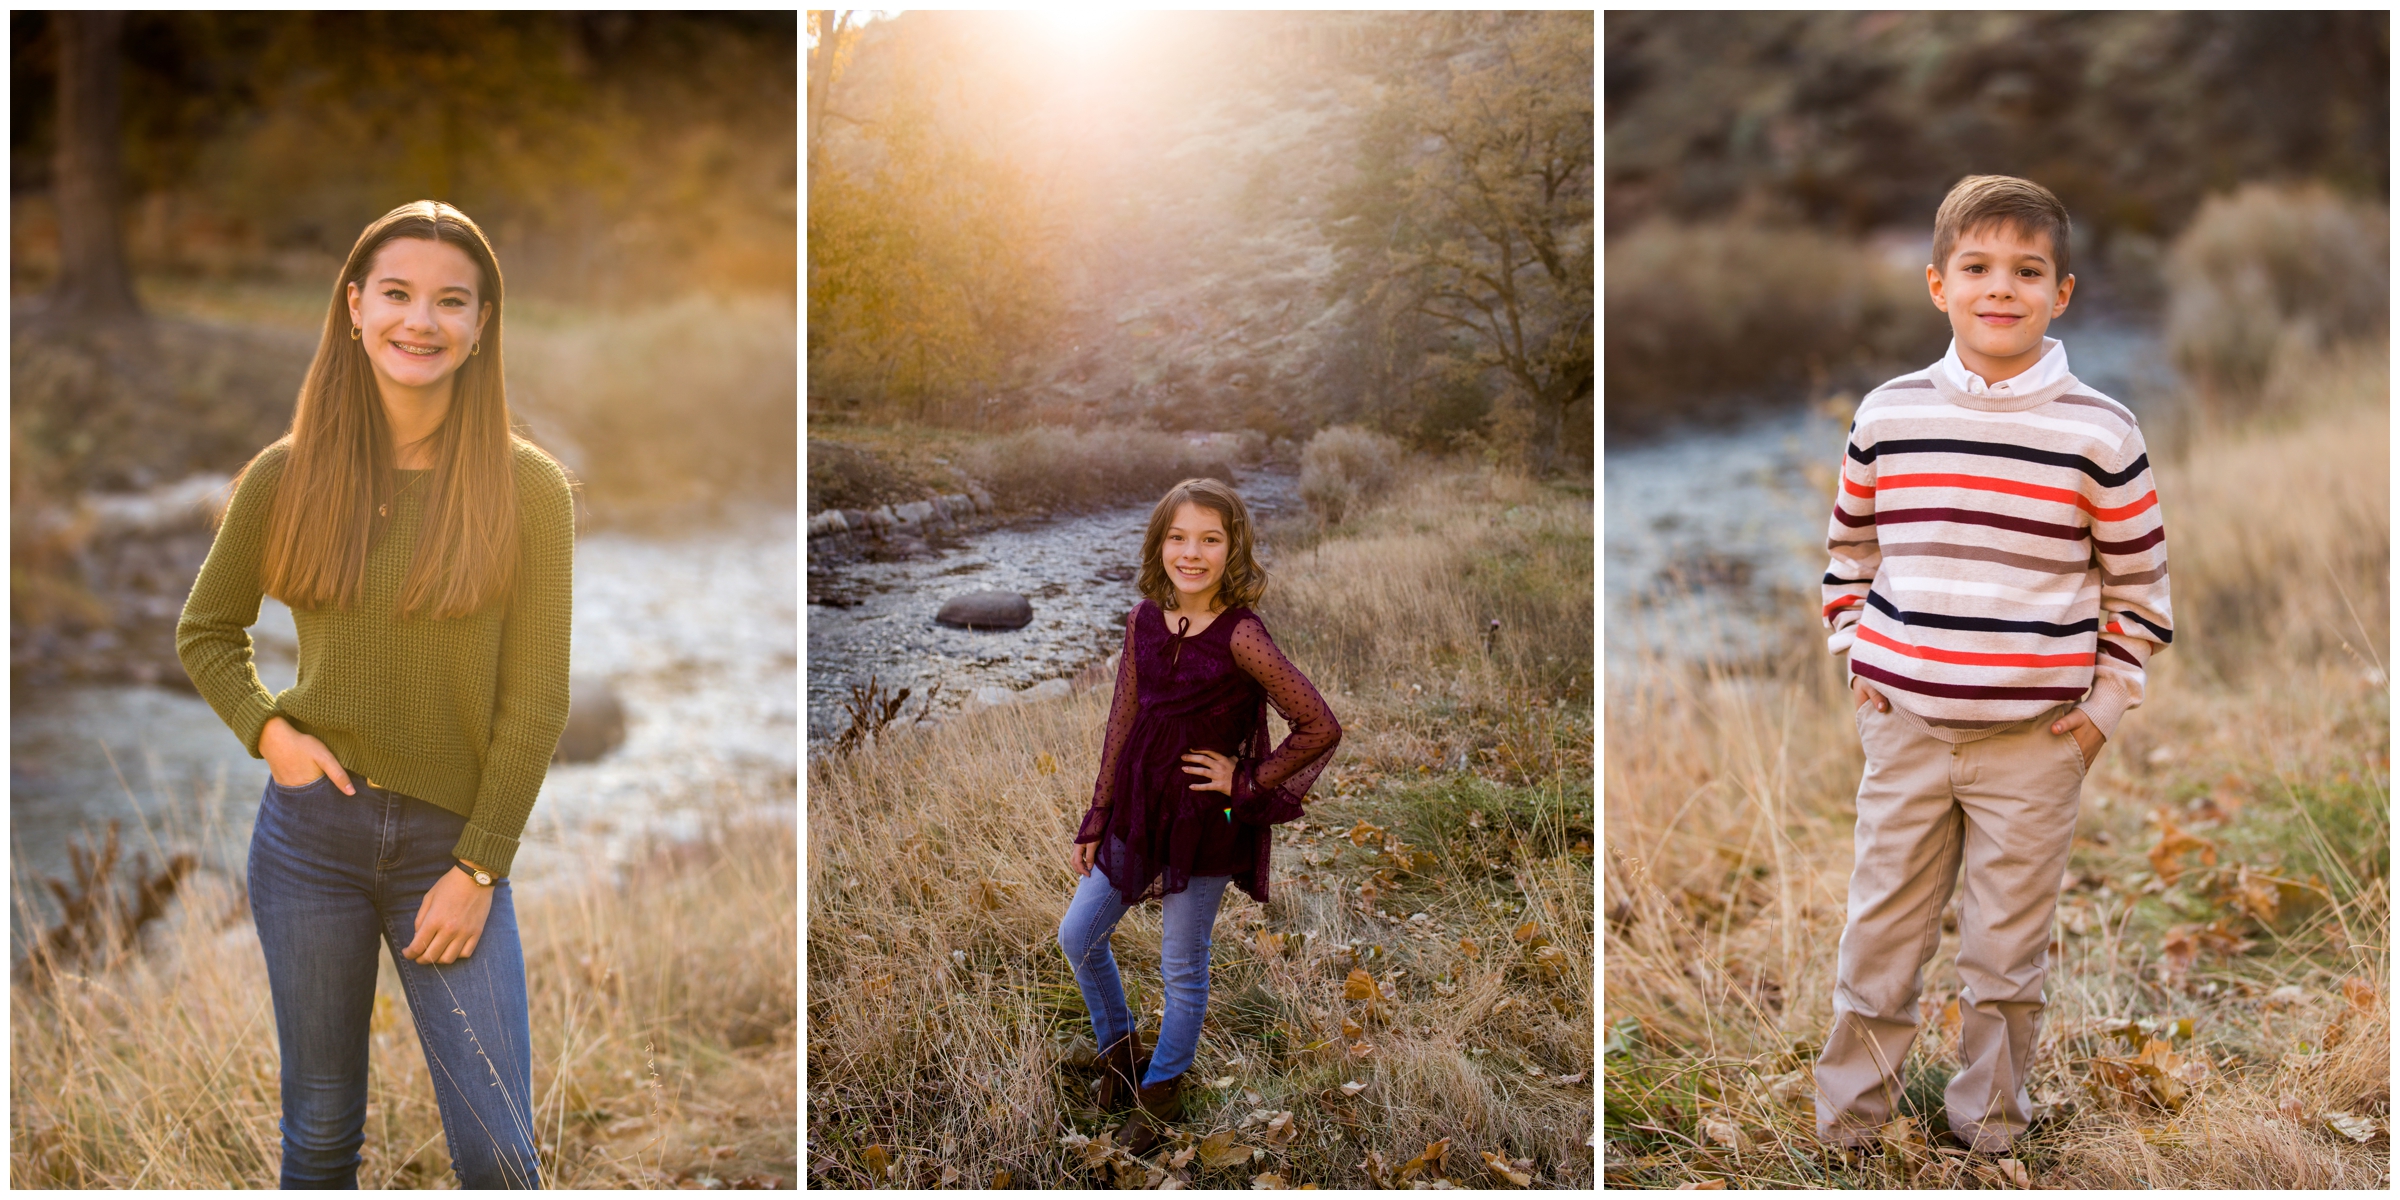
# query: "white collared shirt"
{"points": [[2049, 369]]}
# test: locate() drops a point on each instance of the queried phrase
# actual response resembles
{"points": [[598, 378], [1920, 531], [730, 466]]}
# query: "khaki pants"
{"points": [[2005, 807]]}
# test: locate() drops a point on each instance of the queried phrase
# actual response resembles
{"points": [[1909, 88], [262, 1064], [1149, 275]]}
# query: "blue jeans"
{"points": [[1183, 962], [330, 875]]}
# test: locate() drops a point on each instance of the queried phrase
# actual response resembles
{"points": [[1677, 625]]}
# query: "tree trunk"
{"points": [[92, 282]]}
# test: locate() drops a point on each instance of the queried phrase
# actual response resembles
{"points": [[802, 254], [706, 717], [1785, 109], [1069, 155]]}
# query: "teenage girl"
{"points": [[426, 554], [1187, 786]]}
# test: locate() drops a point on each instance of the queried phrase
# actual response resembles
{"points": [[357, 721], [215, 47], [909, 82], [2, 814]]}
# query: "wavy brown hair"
{"points": [[1243, 582], [339, 467]]}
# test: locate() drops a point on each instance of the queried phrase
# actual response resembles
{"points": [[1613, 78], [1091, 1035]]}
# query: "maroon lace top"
{"points": [[1178, 692]]}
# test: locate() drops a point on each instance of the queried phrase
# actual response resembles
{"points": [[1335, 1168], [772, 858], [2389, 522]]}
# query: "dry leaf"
{"points": [[1428, 1163], [1500, 1166], [1269, 1182], [1569, 1080], [1361, 1049], [1951, 1019], [999, 1180], [1791, 1087], [1550, 960], [1362, 833], [1178, 1159], [1269, 944], [1374, 1169], [1721, 1131], [2014, 1173], [880, 985], [2358, 1129], [1222, 1082], [949, 1176], [2290, 1108], [1359, 986], [1218, 1150], [1353, 1088], [2165, 857], [1352, 1030], [2288, 994], [879, 1164], [1280, 1129], [1045, 764], [1468, 947], [1527, 932], [2179, 950], [1251, 1097], [1705, 1185], [2360, 994]]}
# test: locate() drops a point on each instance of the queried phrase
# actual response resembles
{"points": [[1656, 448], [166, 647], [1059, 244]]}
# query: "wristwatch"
{"points": [[479, 875]]}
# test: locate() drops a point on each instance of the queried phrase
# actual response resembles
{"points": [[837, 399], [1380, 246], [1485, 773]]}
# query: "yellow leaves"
{"points": [[1269, 1182], [1530, 935], [1363, 833], [1468, 947], [1550, 961], [1268, 944], [2158, 1076], [879, 1164], [1352, 1030], [1516, 1174], [1045, 764], [1218, 1150], [1359, 986], [1182, 1158], [1428, 1164], [2360, 993], [2173, 843]]}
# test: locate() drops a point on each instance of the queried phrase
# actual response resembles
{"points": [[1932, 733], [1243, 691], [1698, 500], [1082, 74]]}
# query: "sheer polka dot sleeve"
{"points": [[1269, 790], [1121, 709]]}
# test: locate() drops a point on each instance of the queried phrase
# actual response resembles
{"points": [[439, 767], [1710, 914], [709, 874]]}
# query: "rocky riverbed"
{"points": [[872, 603]]}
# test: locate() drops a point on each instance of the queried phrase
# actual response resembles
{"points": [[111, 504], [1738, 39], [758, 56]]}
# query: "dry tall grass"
{"points": [[664, 1003], [1729, 832], [943, 1020], [2274, 273]]}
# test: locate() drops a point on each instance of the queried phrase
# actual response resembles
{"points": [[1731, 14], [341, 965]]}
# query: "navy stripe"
{"points": [[1961, 691], [1969, 516], [1829, 578], [2164, 634], [1980, 624], [2051, 458]]}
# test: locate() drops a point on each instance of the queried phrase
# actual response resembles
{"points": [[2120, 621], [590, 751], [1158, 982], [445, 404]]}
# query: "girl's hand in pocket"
{"points": [[296, 760]]}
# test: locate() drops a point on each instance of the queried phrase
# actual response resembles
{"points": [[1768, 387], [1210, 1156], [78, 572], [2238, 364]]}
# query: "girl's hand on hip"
{"points": [[1211, 766], [450, 921], [1082, 856], [296, 760]]}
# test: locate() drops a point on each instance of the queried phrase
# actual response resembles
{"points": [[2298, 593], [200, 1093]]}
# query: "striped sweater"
{"points": [[1996, 556]]}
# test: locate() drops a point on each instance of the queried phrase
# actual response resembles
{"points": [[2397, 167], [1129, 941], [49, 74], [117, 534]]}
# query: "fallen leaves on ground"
{"points": [[1428, 1164], [1722, 1131], [2357, 1128], [2173, 843], [1219, 1150], [879, 1164], [1518, 1173], [2158, 1076]]}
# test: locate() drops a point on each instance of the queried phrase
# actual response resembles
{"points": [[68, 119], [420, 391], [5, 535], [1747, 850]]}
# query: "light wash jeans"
{"points": [[1183, 962], [330, 877]]}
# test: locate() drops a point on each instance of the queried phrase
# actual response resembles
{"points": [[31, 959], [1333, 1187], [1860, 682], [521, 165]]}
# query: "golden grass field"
{"points": [[943, 1023], [664, 1007], [2217, 1011]]}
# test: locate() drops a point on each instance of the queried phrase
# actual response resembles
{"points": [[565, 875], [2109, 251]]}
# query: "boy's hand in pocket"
{"points": [[2088, 737], [1861, 694]]}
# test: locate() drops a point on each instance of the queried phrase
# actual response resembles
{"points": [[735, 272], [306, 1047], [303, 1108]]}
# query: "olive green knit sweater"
{"points": [[461, 712]]}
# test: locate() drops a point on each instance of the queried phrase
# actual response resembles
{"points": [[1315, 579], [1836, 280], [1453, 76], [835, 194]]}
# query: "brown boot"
{"points": [[1156, 1106], [1119, 1078]]}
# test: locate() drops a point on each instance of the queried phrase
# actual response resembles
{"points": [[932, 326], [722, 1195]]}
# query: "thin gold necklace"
{"points": [[385, 509]]}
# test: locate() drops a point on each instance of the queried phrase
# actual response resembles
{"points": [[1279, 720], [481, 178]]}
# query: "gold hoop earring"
{"points": [[354, 333], [474, 350]]}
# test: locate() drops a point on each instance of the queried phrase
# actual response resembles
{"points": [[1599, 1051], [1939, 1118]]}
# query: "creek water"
{"points": [[874, 620], [696, 631], [1711, 537]]}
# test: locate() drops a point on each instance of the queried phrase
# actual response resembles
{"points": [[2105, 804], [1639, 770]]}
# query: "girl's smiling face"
{"points": [[418, 313], [1193, 553]]}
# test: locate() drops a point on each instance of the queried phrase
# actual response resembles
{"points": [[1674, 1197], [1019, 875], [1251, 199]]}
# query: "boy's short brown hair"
{"points": [[1984, 199]]}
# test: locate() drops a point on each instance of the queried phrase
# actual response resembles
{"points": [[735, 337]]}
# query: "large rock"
{"points": [[595, 721], [987, 610], [1048, 689]]}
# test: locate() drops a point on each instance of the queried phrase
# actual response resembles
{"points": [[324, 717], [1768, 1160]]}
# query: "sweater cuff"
{"points": [[1095, 820], [485, 849], [2106, 705], [251, 722]]}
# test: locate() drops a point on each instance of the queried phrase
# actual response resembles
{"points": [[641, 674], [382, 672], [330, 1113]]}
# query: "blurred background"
{"points": [[183, 189], [1771, 185], [1059, 262]]}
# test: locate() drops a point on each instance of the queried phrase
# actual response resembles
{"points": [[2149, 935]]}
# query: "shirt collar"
{"points": [[2049, 369]]}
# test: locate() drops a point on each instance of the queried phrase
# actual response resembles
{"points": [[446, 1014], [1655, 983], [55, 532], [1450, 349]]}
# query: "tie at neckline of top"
{"points": [[1182, 625]]}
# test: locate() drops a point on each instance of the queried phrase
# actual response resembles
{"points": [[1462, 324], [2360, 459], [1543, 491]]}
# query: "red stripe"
{"points": [[1857, 489], [1966, 658], [2031, 491], [1839, 605]]}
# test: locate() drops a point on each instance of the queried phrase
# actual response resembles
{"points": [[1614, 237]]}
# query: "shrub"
{"points": [[1701, 313], [1058, 467], [1343, 468], [2269, 274]]}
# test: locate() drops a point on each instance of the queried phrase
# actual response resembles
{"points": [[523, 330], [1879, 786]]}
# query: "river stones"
{"points": [[987, 610], [595, 721]]}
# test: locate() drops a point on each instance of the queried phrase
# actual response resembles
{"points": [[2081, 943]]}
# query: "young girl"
{"points": [[1189, 719], [425, 552]]}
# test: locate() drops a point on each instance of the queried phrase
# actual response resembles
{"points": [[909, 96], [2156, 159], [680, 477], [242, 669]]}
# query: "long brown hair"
{"points": [[1243, 582], [339, 466]]}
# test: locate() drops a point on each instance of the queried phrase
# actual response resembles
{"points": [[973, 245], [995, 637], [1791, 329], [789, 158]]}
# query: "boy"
{"points": [[1999, 576]]}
